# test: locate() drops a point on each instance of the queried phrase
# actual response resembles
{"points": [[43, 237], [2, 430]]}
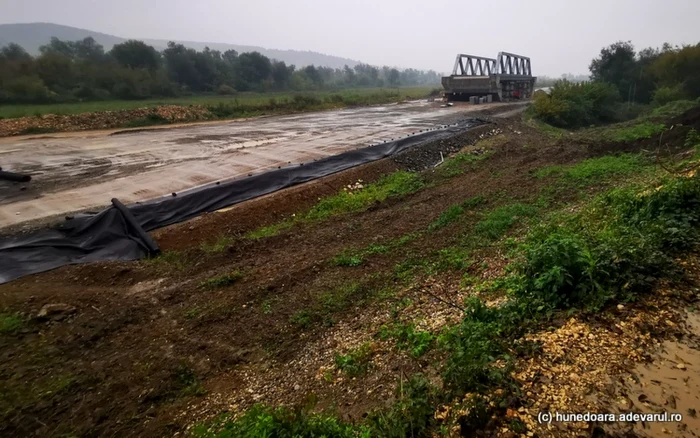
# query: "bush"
{"points": [[29, 89], [226, 90], [571, 105], [304, 101], [665, 95], [411, 414], [474, 346]]}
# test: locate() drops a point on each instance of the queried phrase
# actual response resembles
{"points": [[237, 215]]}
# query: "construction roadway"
{"points": [[81, 171]]}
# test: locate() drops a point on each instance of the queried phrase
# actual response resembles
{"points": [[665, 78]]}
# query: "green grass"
{"points": [[452, 214], [270, 230], [348, 258], [634, 132], [459, 164], [399, 183], [357, 361], [247, 103], [595, 169], [338, 299], [545, 128], [673, 108], [222, 280], [302, 318], [612, 249], [168, 260], [10, 323], [395, 184], [501, 219], [219, 245]]}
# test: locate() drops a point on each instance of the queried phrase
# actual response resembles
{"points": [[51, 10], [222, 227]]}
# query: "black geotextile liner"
{"points": [[111, 235]]}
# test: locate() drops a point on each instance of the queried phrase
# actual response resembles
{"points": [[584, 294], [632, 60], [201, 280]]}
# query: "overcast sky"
{"points": [[560, 36]]}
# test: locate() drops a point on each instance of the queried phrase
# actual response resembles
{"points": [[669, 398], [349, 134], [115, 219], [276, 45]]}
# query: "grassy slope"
{"points": [[569, 262]]}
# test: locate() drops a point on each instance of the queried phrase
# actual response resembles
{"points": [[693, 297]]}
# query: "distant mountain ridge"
{"points": [[33, 35]]}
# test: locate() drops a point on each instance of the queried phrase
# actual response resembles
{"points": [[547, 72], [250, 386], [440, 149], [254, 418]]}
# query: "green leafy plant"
{"points": [[416, 342], [357, 361]]}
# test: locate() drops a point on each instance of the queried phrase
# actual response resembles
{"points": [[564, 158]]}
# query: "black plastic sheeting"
{"points": [[116, 234]]}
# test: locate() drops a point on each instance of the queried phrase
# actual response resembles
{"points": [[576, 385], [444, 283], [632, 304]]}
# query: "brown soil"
{"points": [[146, 339], [102, 119]]}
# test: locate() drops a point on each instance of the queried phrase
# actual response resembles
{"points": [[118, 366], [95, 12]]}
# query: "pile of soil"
{"points": [[103, 120]]}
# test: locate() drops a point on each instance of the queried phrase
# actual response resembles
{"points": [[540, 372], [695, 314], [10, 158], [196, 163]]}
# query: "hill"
{"points": [[33, 35]]}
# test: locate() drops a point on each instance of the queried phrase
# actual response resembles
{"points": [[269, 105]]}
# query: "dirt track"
{"points": [[85, 170]]}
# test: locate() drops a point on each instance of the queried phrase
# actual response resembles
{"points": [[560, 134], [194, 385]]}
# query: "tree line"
{"points": [[623, 82], [68, 71]]}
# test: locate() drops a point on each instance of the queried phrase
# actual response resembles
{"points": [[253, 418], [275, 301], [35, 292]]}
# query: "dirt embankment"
{"points": [[147, 348], [104, 120]]}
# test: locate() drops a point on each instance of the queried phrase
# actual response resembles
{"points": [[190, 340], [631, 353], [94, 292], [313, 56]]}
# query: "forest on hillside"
{"points": [[71, 71]]}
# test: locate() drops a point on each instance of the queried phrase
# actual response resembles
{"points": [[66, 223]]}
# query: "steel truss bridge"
{"points": [[507, 77]]}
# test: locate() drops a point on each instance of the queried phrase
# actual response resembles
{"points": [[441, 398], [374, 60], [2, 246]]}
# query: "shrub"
{"points": [[417, 342], [474, 346], [618, 248], [28, 89], [223, 110], [357, 361], [226, 90], [664, 95], [412, 413], [573, 105]]}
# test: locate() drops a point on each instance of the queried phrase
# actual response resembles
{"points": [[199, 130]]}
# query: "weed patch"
{"points": [[459, 164], [222, 280], [348, 260], [674, 108], [412, 413], [10, 323], [356, 362], [595, 169], [399, 183], [219, 245], [500, 220], [416, 342], [168, 260], [188, 383], [396, 184], [635, 132], [450, 215], [262, 421], [615, 249]]}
